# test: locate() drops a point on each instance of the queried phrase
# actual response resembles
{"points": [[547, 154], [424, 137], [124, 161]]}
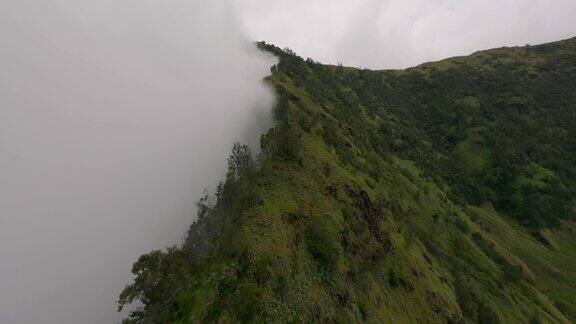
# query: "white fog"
{"points": [[115, 115]]}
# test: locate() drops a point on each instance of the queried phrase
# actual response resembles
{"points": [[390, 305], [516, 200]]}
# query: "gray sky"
{"points": [[115, 115], [403, 33]]}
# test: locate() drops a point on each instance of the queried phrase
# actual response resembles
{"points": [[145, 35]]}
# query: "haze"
{"points": [[115, 115]]}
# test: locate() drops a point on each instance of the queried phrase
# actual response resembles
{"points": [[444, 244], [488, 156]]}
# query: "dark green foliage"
{"points": [[440, 194], [473, 306], [241, 165], [158, 278], [497, 114], [322, 238]]}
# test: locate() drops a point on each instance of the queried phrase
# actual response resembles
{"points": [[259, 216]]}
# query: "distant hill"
{"points": [[443, 193]]}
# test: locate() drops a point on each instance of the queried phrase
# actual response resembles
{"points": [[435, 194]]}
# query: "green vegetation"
{"points": [[441, 193]]}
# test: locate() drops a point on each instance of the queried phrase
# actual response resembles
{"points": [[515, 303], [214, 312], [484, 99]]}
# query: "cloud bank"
{"points": [[403, 33], [114, 116]]}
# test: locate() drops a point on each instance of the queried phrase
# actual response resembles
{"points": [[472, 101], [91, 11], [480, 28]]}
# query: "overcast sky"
{"points": [[403, 33], [115, 115]]}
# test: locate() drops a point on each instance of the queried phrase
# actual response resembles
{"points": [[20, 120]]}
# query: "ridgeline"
{"points": [[443, 193]]}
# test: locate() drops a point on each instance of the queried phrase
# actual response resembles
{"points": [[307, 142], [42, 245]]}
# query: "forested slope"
{"points": [[440, 193]]}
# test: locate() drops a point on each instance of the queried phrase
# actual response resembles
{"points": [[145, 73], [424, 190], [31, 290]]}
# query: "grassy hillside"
{"points": [[441, 193]]}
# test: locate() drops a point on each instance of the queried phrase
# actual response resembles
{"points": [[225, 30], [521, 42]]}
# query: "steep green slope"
{"points": [[442, 193]]}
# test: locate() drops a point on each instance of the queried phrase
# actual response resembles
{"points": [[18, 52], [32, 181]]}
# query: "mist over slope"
{"points": [[443, 193], [115, 115]]}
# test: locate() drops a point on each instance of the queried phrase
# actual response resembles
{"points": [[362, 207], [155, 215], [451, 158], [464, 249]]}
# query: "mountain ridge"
{"points": [[390, 196]]}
